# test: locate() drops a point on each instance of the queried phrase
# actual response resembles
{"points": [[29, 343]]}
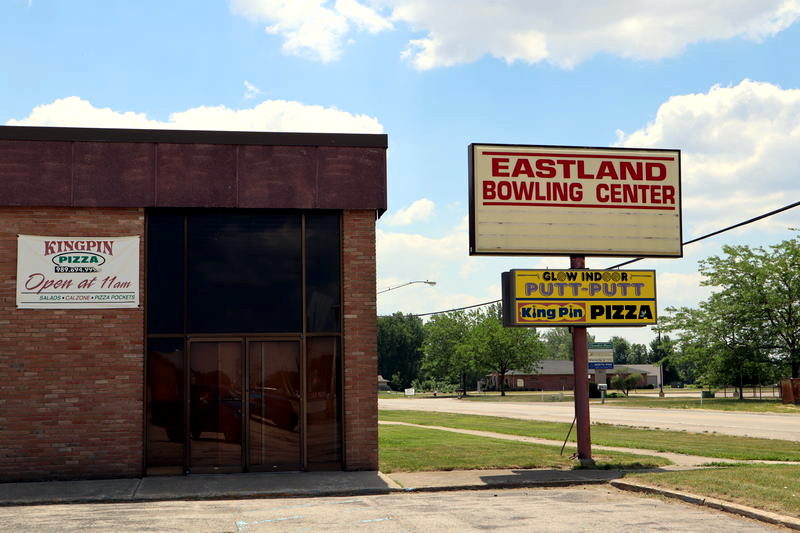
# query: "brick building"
{"points": [[249, 343], [557, 374]]}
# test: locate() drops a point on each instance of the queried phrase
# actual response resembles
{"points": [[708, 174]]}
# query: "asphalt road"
{"points": [[577, 509], [766, 425]]}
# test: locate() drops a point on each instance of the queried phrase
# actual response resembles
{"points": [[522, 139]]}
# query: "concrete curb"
{"points": [[713, 503]]}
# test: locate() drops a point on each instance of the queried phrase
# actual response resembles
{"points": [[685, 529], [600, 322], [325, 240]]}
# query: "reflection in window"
{"points": [[324, 428], [216, 403], [323, 273], [165, 273], [244, 272], [274, 404], [164, 402]]}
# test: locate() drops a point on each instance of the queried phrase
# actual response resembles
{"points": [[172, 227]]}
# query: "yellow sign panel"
{"points": [[540, 200], [579, 298]]}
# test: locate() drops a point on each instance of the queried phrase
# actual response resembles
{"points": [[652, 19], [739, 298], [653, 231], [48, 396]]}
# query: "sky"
{"points": [[718, 80]]}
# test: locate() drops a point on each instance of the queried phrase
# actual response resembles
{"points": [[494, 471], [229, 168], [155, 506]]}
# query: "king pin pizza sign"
{"points": [[547, 298], [77, 272]]}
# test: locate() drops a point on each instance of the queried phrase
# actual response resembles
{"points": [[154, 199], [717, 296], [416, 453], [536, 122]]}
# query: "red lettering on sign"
{"points": [[500, 167]]}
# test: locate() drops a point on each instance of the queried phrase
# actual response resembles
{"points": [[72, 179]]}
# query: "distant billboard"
{"points": [[547, 298], [547, 200]]}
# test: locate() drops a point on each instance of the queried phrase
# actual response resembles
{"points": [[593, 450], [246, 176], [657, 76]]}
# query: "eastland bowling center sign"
{"points": [[546, 200]]}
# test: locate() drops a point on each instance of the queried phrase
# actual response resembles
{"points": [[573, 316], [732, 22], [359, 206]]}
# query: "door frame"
{"points": [[187, 419], [244, 341], [299, 340]]}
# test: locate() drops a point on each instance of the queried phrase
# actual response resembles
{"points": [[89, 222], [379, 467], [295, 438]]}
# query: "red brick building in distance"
{"points": [[557, 374], [252, 346]]}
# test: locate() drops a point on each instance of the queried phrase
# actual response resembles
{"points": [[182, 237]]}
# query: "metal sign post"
{"points": [[580, 365]]}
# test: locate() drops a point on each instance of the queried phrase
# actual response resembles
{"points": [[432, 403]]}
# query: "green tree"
{"points": [[638, 355], [448, 356], [673, 368], [764, 285], [622, 349], [558, 343], [499, 349], [724, 340], [400, 339], [627, 382]]}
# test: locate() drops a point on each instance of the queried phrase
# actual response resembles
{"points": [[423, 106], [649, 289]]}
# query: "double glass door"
{"points": [[244, 405]]}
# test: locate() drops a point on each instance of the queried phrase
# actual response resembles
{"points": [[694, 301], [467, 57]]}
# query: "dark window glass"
{"points": [[165, 402], [323, 403], [244, 272], [273, 427], [323, 273], [165, 272], [216, 404]]}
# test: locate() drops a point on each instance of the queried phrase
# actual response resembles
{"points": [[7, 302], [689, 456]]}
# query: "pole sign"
{"points": [[77, 272], [547, 298], [547, 200], [601, 355]]}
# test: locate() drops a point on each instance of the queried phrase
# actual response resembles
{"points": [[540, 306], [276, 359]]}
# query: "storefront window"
{"points": [[323, 305], [244, 273], [165, 272], [165, 426], [229, 286]]}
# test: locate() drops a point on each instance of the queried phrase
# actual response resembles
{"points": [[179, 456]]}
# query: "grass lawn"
{"points": [[703, 444], [719, 404], [409, 449], [773, 488]]}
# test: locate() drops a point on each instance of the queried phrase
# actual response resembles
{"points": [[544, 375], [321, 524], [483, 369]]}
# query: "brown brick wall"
{"points": [[360, 341], [70, 380]]}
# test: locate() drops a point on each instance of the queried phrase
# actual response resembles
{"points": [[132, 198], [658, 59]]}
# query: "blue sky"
{"points": [[718, 80]]}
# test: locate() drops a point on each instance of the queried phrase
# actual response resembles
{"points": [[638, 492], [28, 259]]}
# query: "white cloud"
{"points": [[680, 289], [363, 16], [564, 33], [419, 211], [270, 115], [404, 257], [313, 28], [250, 90], [570, 31], [739, 151]]}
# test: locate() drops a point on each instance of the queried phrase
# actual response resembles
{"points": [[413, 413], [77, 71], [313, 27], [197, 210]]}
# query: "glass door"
{"points": [[215, 406], [273, 403]]}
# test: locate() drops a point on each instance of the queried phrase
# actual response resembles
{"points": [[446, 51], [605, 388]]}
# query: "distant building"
{"points": [[383, 383], [556, 374]]}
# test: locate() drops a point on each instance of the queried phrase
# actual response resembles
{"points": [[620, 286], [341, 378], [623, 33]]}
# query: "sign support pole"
{"points": [[580, 367]]}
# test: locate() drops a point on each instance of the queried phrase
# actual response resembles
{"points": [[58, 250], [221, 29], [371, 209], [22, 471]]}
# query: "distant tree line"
{"points": [[453, 350], [746, 333]]}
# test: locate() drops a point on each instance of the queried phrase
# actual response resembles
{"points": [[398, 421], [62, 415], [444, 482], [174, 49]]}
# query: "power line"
{"points": [[706, 236], [723, 230]]}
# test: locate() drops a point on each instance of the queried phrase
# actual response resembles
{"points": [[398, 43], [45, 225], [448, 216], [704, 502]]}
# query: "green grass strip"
{"points": [[773, 488], [410, 449], [703, 444]]}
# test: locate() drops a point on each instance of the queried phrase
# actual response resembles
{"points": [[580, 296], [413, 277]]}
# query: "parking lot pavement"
{"points": [[577, 509]]}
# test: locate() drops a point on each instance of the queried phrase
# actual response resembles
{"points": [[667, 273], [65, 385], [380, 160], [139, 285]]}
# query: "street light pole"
{"points": [[425, 281]]}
